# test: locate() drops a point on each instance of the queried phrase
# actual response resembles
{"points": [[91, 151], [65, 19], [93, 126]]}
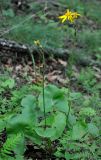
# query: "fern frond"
{"points": [[83, 155], [10, 144]]}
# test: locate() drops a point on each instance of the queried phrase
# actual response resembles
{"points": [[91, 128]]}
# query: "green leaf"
{"points": [[54, 91], [17, 124], [9, 83], [59, 125], [78, 131], [93, 129], [48, 102], [28, 101], [28, 117], [54, 99], [68, 156], [56, 129], [20, 147], [71, 119], [61, 104], [11, 143], [33, 136], [28, 112], [49, 121], [48, 132]]}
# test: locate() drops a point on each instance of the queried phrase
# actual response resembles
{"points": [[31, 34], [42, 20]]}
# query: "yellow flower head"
{"points": [[37, 43], [70, 16]]}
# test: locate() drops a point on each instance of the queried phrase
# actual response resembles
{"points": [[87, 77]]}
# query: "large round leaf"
{"points": [[28, 101], [55, 99], [61, 104], [59, 125], [55, 130]]}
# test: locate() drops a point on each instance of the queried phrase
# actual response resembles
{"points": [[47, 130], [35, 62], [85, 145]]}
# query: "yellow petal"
{"points": [[63, 16], [64, 20]]}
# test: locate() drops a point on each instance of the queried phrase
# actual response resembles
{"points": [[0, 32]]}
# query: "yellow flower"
{"points": [[70, 16], [37, 43]]}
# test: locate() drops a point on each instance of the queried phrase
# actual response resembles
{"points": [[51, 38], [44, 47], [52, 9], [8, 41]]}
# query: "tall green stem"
{"points": [[69, 103], [43, 83]]}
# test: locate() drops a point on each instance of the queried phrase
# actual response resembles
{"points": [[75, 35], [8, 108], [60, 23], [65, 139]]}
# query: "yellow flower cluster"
{"points": [[70, 16]]}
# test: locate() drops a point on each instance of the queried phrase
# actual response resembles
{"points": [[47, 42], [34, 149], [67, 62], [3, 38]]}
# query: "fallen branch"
{"points": [[12, 46], [8, 46]]}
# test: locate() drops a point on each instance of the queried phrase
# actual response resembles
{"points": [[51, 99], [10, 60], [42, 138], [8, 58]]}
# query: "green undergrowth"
{"points": [[77, 115]]}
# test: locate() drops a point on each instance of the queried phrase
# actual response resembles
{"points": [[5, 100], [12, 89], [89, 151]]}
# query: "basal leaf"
{"points": [[56, 129], [28, 110], [59, 125], [48, 132], [28, 101], [78, 131], [48, 103], [61, 104]]}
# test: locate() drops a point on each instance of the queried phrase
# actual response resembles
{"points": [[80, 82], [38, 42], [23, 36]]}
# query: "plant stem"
{"points": [[69, 104], [43, 83], [33, 61]]}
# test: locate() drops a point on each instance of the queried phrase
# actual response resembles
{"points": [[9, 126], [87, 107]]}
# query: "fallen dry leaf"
{"points": [[63, 63]]}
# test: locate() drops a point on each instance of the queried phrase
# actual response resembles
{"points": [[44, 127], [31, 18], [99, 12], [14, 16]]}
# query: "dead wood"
{"points": [[12, 46]]}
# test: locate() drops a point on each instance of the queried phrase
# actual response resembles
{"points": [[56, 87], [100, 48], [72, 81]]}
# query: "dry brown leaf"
{"points": [[52, 78], [63, 63], [63, 81], [98, 76]]}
